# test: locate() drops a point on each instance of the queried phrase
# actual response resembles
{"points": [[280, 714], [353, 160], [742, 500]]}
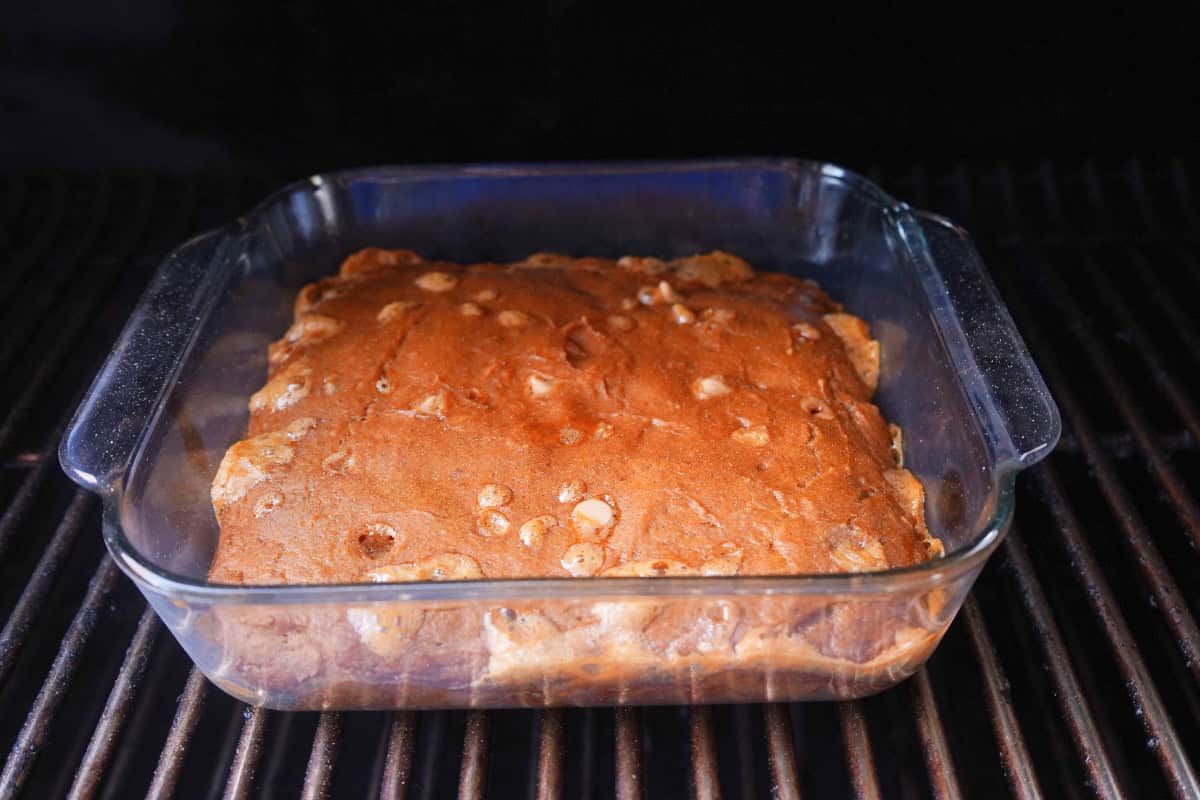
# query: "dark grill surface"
{"points": [[1074, 669]]}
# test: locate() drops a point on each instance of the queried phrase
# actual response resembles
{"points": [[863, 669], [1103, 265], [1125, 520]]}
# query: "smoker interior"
{"points": [[1074, 669]]}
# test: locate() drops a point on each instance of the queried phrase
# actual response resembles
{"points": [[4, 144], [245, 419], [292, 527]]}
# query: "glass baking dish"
{"points": [[172, 397]]}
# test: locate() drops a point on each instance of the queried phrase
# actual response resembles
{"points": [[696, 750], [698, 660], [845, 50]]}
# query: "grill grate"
{"points": [[1073, 670]]}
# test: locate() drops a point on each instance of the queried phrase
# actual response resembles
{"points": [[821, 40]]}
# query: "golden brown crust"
{"points": [[710, 420], [568, 417]]}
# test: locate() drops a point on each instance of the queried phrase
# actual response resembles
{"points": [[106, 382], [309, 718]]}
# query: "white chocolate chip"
{"points": [[436, 282], [383, 386], [592, 517], [247, 462], [491, 522], [620, 323], [533, 532], [512, 319], [645, 265], [539, 385], [292, 394], [494, 495], [285, 388], [312, 328], [806, 331], [572, 491], [569, 436], [583, 560], [545, 261], [484, 296], [268, 503], [433, 405], [755, 437], [667, 294], [655, 568], [389, 630], [647, 295], [394, 310], [396, 258], [897, 444], [728, 564], [338, 463], [682, 314], [862, 350], [296, 430], [603, 431], [908, 491], [711, 386], [721, 316], [855, 551], [712, 269], [311, 296], [442, 567], [376, 539], [470, 310]]}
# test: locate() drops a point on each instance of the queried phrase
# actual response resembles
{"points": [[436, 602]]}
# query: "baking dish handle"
{"points": [[1006, 386], [106, 428]]}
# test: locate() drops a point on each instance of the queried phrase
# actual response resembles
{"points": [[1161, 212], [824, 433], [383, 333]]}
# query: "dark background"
{"points": [[307, 86]]}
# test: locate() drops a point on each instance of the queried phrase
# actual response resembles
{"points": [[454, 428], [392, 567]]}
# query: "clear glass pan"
{"points": [[172, 396]]}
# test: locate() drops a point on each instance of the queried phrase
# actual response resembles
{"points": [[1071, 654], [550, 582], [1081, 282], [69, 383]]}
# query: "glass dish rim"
{"points": [[926, 574]]}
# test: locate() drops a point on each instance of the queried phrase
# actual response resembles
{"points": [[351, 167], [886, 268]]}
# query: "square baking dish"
{"points": [[172, 397]]}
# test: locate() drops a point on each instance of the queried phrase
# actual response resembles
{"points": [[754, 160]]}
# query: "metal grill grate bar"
{"points": [[780, 753], [1018, 766], [1121, 396], [23, 500], [96, 292], [170, 760], [1138, 681], [62, 541], [1152, 570], [1174, 393], [706, 784], [37, 722], [1095, 759], [322, 757], [33, 308], [398, 766], [33, 596], [116, 709], [551, 752], [629, 754], [1183, 325], [245, 759], [859, 758], [1118, 391], [473, 778], [942, 776], [1121, 446]]}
